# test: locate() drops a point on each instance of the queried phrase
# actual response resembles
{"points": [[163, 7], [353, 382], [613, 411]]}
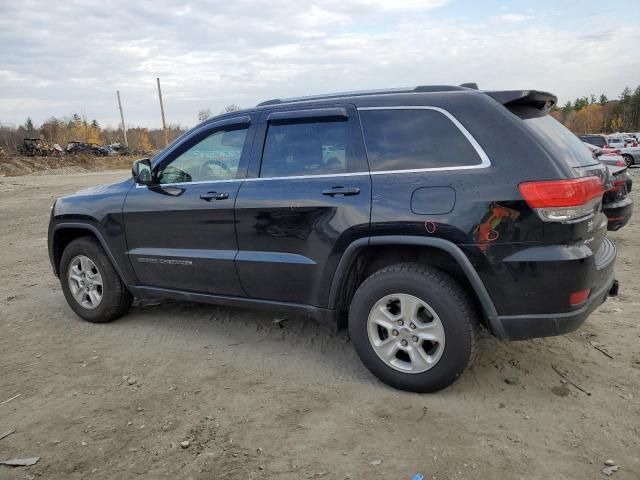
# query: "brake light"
{"points": [[620, 163], [579, 297], [563, 200], [616, 185]]}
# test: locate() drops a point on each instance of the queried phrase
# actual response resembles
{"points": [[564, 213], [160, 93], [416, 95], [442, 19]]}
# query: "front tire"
{"points": [[414, 327], [91, 285], [628, 159]]}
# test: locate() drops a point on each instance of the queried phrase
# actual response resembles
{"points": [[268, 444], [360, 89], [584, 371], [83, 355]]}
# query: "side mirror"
{"points": [[141, 171]]}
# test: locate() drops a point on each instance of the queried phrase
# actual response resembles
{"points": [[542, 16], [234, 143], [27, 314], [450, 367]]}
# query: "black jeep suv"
{"points": [[410, 217]]}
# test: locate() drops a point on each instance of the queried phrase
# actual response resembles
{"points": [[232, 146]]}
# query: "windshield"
{"points": [[556, 138]]}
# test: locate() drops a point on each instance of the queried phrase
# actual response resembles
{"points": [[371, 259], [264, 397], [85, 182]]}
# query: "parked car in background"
{"points": [[608, 156], [626, 147], [617, 205], [597, 140], [619, 142]]}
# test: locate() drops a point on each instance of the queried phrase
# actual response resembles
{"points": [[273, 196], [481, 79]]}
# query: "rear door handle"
{"points": [[341, 191], [214, 196]]}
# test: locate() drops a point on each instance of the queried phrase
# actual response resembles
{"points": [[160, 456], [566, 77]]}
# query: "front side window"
{"points": [[216, 157], [414, 139], [307, 148]]}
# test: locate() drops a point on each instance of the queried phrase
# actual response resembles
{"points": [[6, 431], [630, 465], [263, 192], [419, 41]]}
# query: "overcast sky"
{"points": [[61, 57]]}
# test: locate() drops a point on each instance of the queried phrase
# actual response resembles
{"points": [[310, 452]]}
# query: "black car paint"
{"points": [[617, 205], [281, 243]]}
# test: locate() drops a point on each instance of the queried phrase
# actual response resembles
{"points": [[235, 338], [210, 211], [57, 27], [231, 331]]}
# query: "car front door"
{"points": [[308, 196], [180, 230]]}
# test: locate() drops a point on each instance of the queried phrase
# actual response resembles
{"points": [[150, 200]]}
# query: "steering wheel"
{"points": [[209, 163]]}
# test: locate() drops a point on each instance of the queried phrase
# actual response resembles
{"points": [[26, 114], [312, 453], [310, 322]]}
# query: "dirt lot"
{"points": [[258, 399]]}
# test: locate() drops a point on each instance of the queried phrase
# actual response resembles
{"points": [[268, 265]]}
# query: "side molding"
{"points": [[452, 249]]}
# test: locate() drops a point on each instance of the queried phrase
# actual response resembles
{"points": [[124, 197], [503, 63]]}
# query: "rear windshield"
{"points": [[556, 138]]}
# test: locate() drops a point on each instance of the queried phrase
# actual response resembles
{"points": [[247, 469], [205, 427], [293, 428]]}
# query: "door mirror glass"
{"points": [[141, 171]]}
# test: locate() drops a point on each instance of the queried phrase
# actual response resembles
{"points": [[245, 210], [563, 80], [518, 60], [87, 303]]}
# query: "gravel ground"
{"points": [[256, 398]]}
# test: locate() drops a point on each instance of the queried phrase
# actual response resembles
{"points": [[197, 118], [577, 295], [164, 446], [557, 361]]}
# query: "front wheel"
{"points": [[414, 327], [90, 284], [628, 159]]}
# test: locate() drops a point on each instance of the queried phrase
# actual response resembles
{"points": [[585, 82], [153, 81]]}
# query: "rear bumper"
{"points": [[522, 327]]}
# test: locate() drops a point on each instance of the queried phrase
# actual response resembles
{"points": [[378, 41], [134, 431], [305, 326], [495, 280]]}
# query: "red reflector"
{"points": [[561, 193], [576, 298]]}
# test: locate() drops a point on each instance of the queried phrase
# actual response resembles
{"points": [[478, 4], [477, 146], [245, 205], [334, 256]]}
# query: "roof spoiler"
{"points": [[534, 98]]}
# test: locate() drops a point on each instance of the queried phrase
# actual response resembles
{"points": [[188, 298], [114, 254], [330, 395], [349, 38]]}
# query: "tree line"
{"points": [[78, 128], [600, 115]]}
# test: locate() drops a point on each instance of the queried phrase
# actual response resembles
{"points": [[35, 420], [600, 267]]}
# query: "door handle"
{"points": [[341, 191], [214, 196]]}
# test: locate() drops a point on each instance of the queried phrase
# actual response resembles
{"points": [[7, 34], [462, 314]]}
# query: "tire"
{"points": [[436, 297], [115, 298], [628, 159]]}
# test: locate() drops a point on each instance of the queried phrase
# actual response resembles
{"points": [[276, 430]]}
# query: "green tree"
{"points": [[28, 125], [603, 99]]}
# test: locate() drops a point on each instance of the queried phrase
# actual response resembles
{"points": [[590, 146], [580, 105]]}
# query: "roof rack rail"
{"points": [[359, 93]]}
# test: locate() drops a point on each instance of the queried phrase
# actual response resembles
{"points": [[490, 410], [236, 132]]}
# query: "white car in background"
{"points": [[628, 147]]}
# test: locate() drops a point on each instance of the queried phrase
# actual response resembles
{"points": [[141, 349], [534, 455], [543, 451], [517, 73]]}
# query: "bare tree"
{"points": [[204, 114], [232, 107]]}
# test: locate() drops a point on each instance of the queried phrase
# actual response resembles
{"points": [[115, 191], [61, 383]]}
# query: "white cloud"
{"points": [[513, 18], [73, 56]]}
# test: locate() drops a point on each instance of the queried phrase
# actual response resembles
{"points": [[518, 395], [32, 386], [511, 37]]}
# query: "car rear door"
{"points": [[308, 196], [180, 231]]}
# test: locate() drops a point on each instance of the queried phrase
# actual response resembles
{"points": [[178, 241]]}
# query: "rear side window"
{"points": [[307, 148], [414, 139], [555, 138]]}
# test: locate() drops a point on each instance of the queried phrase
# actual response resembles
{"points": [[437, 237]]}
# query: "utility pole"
{"points": [[164, 123], [124, 128]]}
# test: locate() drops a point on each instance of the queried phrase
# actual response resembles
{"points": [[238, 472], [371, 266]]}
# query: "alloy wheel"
{"points": [[85, 282], [406, 333]]}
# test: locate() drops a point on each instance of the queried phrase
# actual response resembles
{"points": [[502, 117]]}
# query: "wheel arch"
{"points": [[367, 255], [65, 233]]}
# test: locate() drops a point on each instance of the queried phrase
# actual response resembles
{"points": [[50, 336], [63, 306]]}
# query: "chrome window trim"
{"points": [[484, 163], [484, 158]]}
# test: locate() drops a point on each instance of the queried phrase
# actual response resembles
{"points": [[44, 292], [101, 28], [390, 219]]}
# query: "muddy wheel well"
{"points": [[370, 259], [64, 237]]}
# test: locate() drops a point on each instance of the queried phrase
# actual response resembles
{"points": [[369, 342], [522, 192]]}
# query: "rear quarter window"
{"points": [[398, 139], [555, 138]]}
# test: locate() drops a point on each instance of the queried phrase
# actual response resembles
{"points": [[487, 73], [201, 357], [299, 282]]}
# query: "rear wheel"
{"points": [[414, 327], [628, 159], [90, 284]]}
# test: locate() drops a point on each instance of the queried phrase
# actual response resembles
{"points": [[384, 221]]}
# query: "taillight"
{"points": [[617, 185], [563, 200], [579, 297], [620, 163]]}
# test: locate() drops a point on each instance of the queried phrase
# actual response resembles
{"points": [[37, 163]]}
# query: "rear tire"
{"points": [[95, 291], [428, 315]]}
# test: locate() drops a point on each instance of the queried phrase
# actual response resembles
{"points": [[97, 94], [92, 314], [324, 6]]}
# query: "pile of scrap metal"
{"points": [[84, 148], [32, 147]]}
